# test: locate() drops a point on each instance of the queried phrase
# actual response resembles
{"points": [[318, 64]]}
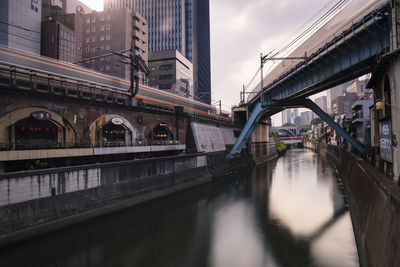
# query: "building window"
{"points": [[165, 86], [108, 27], [93, 49], [88, 30], [166, 77], [93, 39], [102, 38], [88, 40], [166, 67], [93, 19], [88, 20], [107, 67], [87, 49], [108, 37], [108, 47], [102, 28], [108, 16], [93, 29], [102, 18]]}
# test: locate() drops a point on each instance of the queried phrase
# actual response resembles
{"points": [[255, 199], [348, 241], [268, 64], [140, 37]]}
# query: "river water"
{"points": [[288, 212]]}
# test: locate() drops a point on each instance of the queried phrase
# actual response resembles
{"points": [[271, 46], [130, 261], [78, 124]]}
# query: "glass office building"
{"points": [[181, 25], [20, 24]]}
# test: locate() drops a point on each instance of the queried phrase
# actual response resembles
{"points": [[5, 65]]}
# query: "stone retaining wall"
{"points": [[41, 201], [374, 206]]}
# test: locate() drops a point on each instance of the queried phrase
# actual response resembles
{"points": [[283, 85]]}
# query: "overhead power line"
{"points": [[20, 27], [315, 25]]}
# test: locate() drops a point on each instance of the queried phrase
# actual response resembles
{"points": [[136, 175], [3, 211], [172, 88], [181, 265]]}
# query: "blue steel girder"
{"points": [[317, 110], [258, 111], [351, 53], [262, 108]]}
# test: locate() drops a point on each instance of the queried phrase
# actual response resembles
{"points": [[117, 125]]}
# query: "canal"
{"points": [[288, 212]]}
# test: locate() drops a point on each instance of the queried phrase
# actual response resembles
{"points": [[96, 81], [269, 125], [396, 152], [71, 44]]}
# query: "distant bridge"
{"points": [[348, 46]]}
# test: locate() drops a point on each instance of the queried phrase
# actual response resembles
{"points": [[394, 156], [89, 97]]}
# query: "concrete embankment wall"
{"points": [[42, 201], [374, 206], [263, 151]]}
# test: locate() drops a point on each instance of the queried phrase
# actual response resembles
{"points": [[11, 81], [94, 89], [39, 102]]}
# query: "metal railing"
{"points": [[33, 145]]}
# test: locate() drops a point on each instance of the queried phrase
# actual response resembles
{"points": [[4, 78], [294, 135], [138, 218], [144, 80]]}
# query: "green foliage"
{"points": [[316, 121], [279, 145], [37, 164]]}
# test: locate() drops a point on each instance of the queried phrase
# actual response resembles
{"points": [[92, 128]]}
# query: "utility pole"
{"points": [[264, 59], [262, 76], [136, 64]]}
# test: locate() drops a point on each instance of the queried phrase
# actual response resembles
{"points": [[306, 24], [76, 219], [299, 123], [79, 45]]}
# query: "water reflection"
{"points": [[286, 213], [299, 191]]}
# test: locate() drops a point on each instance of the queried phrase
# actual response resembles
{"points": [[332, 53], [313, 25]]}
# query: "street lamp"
{"points": [[379, 105]]}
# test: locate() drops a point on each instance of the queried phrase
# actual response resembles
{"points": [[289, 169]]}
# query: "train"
{"points": [[37, 63]]}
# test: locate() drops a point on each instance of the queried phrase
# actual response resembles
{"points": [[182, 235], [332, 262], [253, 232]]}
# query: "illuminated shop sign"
{"points": [[116, 121], [41, 115]]}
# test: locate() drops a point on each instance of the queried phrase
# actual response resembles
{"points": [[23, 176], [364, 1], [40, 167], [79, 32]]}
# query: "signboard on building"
{"points": [[41, 115], [385, 140], [117, 121], [35, 5]]}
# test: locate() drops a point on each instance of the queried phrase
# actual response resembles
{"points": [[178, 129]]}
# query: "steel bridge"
{"points": [[343, 56]]}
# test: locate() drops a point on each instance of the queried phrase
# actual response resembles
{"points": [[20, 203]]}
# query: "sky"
{"points": [[241, 30]]}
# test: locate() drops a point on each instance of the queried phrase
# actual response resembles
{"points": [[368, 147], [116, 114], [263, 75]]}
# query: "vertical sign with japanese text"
{"points": [[385, 140]]}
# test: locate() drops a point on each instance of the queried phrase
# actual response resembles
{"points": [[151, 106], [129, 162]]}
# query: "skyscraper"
{"points": [[113, 30], [322, 103], [20, 25], [181, 25], [286, 116]]}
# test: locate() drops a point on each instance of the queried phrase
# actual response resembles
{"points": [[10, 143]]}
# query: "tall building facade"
{"points": [[332, 94], [322, 103], [61, 33], [286, 116], [20, 25], [306, 117], [181, 25], [110, 31], [201, 48], [172, 72]]}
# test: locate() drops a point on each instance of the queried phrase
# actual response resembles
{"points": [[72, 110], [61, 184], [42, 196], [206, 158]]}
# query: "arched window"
{"points": [[114, 134], [31, 133], [161, 133]]}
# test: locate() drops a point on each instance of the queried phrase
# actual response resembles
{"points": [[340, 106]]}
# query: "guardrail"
{"points": [[5, 146]]}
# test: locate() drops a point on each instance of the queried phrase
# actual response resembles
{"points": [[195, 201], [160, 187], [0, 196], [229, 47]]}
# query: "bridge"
{"points": [[346, 47], [56, 111]]}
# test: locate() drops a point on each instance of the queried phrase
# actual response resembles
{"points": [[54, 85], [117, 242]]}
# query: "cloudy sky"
{"points": [[240, 31]]}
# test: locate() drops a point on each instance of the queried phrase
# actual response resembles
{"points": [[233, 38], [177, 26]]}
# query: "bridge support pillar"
{"points": [[260, 133], [317, 110], [254, 118]]}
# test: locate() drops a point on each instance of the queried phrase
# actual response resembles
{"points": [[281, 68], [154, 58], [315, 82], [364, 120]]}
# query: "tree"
{"points": [[316, 121]]}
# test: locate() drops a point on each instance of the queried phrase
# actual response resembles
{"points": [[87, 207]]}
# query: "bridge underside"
{"points": [[349, 55], [271, 108]]}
